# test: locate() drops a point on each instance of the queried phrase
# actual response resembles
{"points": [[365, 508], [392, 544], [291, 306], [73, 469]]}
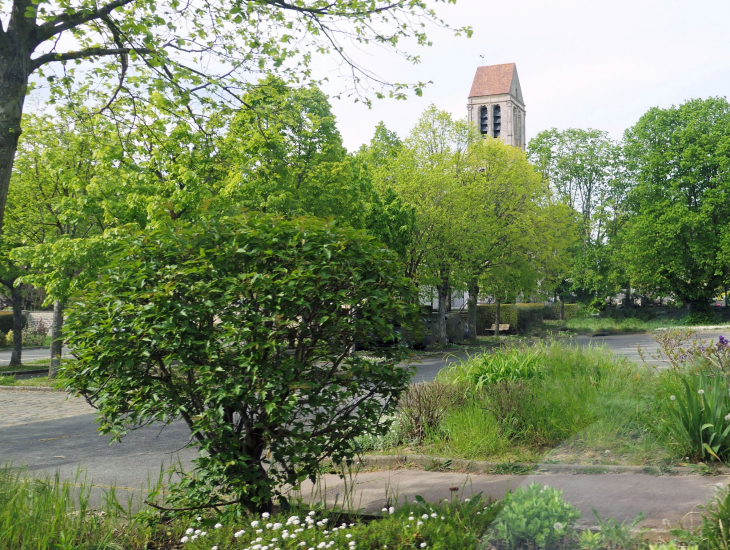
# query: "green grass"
{"points": [[47, 513], [585, 405], [40, 381], [593, 325]]}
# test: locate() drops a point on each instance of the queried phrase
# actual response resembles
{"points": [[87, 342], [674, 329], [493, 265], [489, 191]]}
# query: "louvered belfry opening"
{"points": [[496, 121], [484, 120]]}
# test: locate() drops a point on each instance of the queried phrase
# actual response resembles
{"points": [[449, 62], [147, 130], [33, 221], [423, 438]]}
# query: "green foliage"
{"points": [[590, 540], [585, 169], [416, 525], [698, 416], [535, 517], [618, 536], [504, 365], [604, 398], [6, 321], [243, 326], [676, 233], [714, 531], [46, 512]]}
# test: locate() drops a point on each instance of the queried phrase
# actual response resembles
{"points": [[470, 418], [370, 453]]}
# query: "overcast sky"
{"points": [[582, 64]]}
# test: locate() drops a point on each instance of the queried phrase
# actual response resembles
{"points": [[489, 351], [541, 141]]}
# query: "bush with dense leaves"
{"points": [[243, 326]]}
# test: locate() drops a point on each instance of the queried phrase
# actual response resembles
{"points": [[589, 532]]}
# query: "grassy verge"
{"points": [[49, 513], [40, 382], [548, 402]]}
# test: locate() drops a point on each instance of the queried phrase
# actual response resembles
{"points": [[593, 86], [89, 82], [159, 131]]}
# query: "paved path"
{"points": [[26, 407], [665, 501]]}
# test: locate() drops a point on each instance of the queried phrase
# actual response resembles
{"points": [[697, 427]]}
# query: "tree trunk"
{"points": [[56, 339], [16, 294], [443, 292], [472, 307], [14, 72], [498, 318]]}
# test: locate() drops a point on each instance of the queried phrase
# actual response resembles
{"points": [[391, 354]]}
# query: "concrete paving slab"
{"points": [[665, 500]]}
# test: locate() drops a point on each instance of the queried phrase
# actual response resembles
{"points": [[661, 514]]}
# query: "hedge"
{"points": [[6, 321], [521, 317]]}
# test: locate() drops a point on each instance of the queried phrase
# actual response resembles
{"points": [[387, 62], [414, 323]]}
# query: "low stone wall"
{"points": [[37, 319]]}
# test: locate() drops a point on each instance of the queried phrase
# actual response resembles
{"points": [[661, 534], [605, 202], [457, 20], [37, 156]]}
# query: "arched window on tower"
{"points": [[484, 120], [496, 120]]}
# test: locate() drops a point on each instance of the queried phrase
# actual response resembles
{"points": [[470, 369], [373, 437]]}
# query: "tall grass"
{"points": [[586, 396], [50, 513]]}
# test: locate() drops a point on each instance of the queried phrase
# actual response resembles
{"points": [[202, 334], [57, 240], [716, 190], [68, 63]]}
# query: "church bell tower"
{"points": [[496, 106]]}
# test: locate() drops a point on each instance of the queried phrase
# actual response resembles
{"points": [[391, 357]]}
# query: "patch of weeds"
{"points": [[511, 468], [667, 470], [619, 535], [650, 470], [7, 380], [591, 470], [438, 466]]}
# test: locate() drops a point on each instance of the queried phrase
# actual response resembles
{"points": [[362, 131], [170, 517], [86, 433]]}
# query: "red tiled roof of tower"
{"points": [[493, 80]]}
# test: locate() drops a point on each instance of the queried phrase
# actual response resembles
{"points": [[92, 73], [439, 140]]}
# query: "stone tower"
{"points": [[496, 105]]}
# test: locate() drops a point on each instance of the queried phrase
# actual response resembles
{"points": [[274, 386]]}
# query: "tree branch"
{"points": [[65, 21], [96, 51], [325, 11]]}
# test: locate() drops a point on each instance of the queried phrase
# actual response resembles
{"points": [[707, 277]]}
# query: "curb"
{"points": [[457, 465], [31, 388]]}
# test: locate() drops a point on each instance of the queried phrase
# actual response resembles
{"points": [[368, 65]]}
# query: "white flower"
{"points": [[269, 525], [197, 531], [311, 513], [325, 520], [184, 540], [348, 536], [302, 543], [424, 516], [384, 510], [214, 548], [199, 518], [672, 397], [275, 539], [558, 526], [203, 533], [265, 515], [259, 531], [277, 526], [239, 533], [467, 500], [320, 524], [391, 510], [321, 545], [411, 518], [434, 515], [193, 537], [701, 392], [254, 523], [189, 531], [258, 539], [218, 525], [423, 545], [727, 417], [419, 524], [352, 544]]}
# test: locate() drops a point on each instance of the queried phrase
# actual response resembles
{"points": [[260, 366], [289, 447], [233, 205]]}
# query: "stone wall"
{"points": [[37, 319]]}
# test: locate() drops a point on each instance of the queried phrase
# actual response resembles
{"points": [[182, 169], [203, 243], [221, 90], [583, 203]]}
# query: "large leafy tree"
{"points": [[679, 202], [518, 234], [201, 53], [243, 326], [585, 169]]}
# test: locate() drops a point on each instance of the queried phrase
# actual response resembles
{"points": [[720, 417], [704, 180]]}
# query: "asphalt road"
{"points": [[67, 444]]}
